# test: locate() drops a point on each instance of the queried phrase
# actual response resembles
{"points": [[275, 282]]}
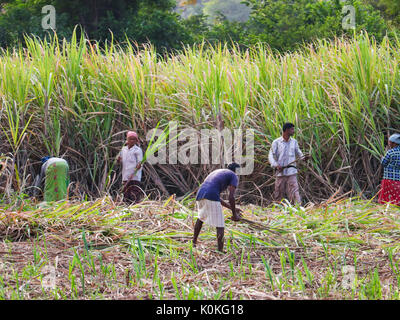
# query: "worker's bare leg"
{"points": [[220, 239], [197, 228]]}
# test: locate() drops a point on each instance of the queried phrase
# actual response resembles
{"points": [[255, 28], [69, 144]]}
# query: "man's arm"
{"points": [[273, 158], [297, 150], [228, 206], [225, 204], [139, 158], [235, 216]]}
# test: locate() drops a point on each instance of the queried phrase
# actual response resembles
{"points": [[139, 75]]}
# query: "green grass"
{"points": [[99, 250]]}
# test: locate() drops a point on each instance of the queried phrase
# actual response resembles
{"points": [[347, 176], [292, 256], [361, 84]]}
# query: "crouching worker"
{"points": [[54, 175], [131, 157], [210, 204]]}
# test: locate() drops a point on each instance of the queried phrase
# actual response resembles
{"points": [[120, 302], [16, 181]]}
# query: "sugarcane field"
{"points": [[182, 152]]}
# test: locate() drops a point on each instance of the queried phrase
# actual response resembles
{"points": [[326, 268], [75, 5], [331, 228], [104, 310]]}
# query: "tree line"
{"points": [[169, 25]]}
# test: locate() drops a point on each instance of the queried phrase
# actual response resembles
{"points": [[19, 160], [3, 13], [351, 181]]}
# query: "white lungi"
{"points": [[210, 212]]}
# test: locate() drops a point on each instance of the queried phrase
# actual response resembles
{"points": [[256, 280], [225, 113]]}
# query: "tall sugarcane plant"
{"points": [[78, 96]]}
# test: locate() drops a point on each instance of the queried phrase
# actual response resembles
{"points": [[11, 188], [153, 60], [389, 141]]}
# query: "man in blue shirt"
{"points": [[210, 204]]}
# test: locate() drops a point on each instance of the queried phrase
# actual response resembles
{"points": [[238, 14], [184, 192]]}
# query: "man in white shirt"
{"points": [[283, 153], [131, 157]]}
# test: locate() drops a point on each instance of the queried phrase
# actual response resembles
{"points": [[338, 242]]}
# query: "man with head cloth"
{"points": [[210, 204], [131, 157]]}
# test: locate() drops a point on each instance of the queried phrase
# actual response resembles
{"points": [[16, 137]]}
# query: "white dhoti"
{"points": [[210, 212]]}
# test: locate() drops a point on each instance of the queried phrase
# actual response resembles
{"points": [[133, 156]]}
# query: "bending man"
{"points": [[210, 204]]}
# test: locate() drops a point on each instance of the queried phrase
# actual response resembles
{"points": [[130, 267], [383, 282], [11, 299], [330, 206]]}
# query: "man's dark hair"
{"points": [[233, 166], [287, 125]]}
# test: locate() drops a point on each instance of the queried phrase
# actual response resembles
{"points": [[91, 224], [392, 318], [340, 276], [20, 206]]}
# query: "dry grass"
{"points": [[99, 250]]}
